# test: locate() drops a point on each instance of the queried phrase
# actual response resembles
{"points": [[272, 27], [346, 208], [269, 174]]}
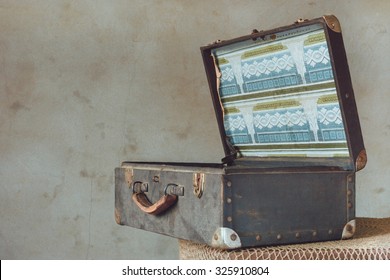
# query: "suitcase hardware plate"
{"points": [[174, 189], [140, 187]]}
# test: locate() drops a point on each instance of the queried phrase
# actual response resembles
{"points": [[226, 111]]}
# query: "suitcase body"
{"points": [[289, 127]]}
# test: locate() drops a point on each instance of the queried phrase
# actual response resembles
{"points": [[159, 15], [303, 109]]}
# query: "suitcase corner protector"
{"points": [[226, 238], [349, 230], [332, 22], [361, 160]]}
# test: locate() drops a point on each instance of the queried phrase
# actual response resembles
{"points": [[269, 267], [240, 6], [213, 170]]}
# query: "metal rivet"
{"points": [[350, 179], [258, 237], [156, 179], [298, 235], [229, 184], [229, 200], [350, 205], [349, 228], [330, 232], [215, 236], [229, 219], [314, 233], [279, 236], [349, 192], [233, 237]]}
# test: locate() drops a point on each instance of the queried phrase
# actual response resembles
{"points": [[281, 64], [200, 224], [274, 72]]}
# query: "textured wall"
{"points": [[85, 85]]}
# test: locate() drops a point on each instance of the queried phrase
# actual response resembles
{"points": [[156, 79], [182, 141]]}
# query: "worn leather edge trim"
{"points": [[118, 218]]}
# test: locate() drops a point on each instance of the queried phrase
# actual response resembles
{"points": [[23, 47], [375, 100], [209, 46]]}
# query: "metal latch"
{"points": [[198, 184]]}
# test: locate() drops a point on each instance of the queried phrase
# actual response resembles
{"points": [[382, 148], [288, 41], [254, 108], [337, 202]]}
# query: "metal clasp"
{"points": [[198, 183]]}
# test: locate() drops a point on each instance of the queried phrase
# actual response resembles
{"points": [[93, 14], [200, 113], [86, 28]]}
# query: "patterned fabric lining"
{"points": [[282, 93]]}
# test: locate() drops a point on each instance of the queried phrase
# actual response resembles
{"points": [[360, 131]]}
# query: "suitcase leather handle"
{"points": [[159, 207]]}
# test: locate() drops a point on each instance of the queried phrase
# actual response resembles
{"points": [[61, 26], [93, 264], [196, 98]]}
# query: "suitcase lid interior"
{"points": [[286, 94]]}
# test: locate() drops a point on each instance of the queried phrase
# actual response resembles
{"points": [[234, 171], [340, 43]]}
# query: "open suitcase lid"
{"points": [[286, 95]]}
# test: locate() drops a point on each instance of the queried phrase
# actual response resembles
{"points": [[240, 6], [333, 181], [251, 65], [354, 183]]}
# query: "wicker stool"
{"points": [[371, 242]]}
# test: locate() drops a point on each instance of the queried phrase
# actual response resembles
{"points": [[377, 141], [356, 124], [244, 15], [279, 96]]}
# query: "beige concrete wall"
{"points": [[85, 85]]}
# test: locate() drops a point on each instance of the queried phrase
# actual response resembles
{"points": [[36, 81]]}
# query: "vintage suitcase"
{"points": [[290, 130]]}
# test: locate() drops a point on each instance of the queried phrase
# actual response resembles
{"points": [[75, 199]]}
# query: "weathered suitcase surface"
{"points": [[289, 126]]}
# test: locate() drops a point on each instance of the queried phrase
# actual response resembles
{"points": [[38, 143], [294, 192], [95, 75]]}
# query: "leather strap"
{"points": [[163, 204]]}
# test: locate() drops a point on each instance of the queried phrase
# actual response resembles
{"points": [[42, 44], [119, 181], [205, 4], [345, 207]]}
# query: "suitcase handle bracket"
{"points": [[160, 206]]}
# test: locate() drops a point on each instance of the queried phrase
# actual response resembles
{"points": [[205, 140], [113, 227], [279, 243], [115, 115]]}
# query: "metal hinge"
{"points": [[215, 42]]}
